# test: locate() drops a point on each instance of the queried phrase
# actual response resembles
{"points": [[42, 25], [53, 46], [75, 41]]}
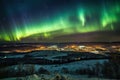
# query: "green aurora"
{"points": [[75, 19]]}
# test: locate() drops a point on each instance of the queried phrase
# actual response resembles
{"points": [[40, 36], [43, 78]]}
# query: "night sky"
{"points": [[59, 20]]}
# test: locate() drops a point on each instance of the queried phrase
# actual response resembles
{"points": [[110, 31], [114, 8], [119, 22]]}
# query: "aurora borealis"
{"points": [[47, 19]]}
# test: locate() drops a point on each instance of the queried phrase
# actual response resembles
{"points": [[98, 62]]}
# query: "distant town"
{"points": [[93, 48]]}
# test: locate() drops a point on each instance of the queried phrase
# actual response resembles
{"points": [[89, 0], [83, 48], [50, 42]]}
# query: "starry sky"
{"points": [[59, 20]]}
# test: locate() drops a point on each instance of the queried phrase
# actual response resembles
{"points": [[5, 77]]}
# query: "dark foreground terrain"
{"points": [[61, 65]]}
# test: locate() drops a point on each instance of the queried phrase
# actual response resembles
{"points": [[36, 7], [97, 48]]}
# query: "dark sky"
{"points": [[59, 20]]}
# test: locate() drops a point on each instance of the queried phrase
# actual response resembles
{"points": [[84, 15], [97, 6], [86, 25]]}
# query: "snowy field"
{"points": [[58, 70]]}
